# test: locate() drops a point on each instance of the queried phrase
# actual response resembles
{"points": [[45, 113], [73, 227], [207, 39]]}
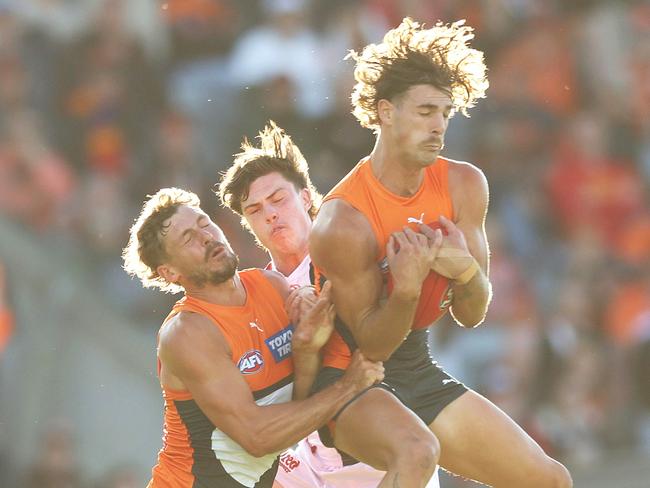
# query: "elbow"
{"points": [[376, 356], [258, 452], [471, 323], [250, 445], [468, 320], [262, 441], [377, 353], [254, 451], [254, 440], [469, 317], [257, 446]]}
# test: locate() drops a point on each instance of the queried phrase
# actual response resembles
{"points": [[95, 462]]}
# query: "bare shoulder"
{"points": [[466, 175], [338, 220], [468, 187], [278, 281], [341, 236], [187, 332]]}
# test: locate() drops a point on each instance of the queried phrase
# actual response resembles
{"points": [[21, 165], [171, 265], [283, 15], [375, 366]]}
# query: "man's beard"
{"points": [[203, 277]]}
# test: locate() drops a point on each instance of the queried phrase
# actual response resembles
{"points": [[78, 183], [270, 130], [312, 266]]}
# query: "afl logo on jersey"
{"points": [[251, 362]]}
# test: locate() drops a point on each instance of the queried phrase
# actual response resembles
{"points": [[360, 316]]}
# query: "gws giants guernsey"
{"points": [[197, 454], [387, 213]]}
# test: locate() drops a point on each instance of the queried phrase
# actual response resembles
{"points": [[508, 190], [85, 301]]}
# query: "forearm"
{"points": [[277, 427], [382, 331], [471, 300], [305, 367]]}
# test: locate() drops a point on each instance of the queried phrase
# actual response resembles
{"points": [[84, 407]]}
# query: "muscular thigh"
{"points": [[375, 427], [479, 441]]}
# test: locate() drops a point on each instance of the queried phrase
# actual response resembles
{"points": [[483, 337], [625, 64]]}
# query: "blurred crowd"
{"points": [[105, 101]]}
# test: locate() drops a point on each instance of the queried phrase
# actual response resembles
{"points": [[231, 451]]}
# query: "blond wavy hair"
{"points": [[146, 249], [412, 55], [275, 153]]}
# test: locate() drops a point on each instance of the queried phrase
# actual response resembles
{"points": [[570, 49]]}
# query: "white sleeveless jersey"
{"points": [[300, 275]]}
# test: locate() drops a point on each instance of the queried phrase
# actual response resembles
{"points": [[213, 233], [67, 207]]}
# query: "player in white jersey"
{"points": [[270, 188]]}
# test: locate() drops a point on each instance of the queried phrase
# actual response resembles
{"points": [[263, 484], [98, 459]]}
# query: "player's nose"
{"points": [[270, 213], [438, 123]]}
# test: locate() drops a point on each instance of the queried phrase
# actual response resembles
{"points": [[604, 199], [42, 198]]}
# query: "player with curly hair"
{"points": [[402, 240], [229, 357]]}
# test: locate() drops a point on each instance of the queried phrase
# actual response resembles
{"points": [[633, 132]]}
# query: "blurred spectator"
{"points": [[284, 47], [175, 159], [37, 184], [571, 373], [6, 314], [109, 94], [103, 218], [56, 465], [200, 28], [14, 84], [119, 477], [537, 68], [628, 303], [346, 26], [589, 187], [633, 242], [12, 30], [640, 366], [58, 19]]}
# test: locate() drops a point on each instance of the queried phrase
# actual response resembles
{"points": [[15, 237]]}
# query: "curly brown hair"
{"points": [[146, 249], [412, 55], [276, 153]]}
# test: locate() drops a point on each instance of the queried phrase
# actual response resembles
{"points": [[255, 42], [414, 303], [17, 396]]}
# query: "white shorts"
{"points": [[312, 465]]}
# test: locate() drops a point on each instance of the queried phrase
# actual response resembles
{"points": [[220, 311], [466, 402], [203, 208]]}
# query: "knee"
{"points": [[555, 475], [419, 454], [561, 478]]}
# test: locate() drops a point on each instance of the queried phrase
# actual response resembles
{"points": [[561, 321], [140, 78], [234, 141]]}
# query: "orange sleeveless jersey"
{"points": [[195, 452], [388, 213]]}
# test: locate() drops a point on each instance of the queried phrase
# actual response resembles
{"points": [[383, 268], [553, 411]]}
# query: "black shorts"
{"points": [[412, 376]]}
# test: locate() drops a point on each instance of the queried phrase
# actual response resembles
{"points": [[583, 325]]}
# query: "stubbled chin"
{"points": [[428, 159]]}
